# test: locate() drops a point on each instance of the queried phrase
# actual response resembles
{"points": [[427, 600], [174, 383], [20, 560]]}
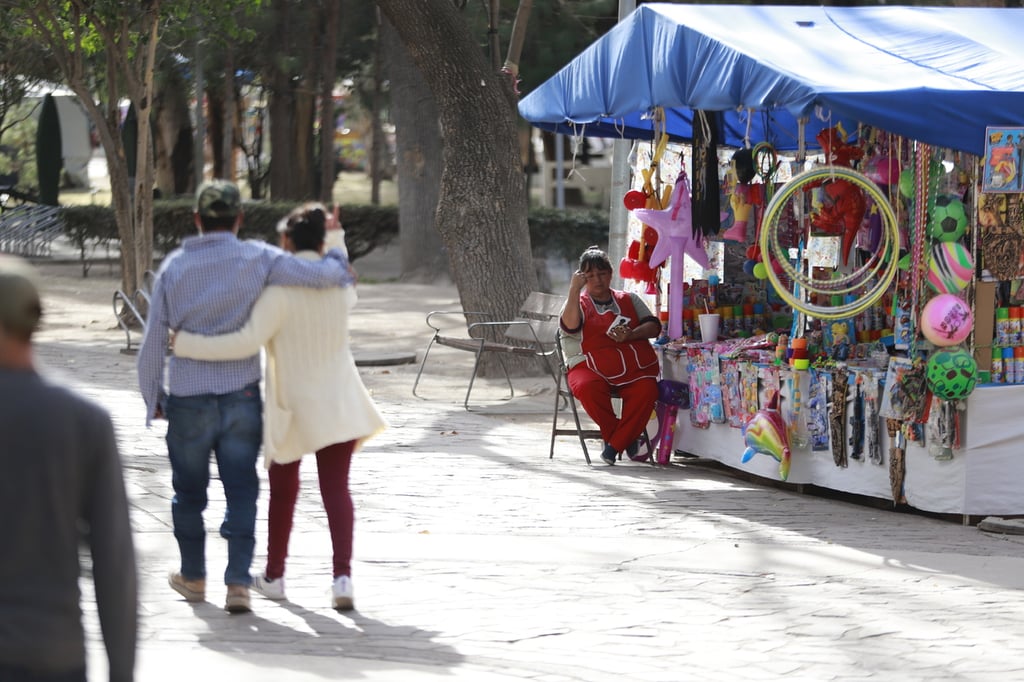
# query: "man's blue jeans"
{"points": [[230, 426]]}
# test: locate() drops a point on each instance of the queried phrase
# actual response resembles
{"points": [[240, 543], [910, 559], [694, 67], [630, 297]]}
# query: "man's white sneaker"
{"points": [[271, 589], [343, 594]]}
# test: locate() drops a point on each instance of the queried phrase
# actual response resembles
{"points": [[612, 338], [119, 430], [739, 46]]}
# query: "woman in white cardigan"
{"points": [[315, 399]]}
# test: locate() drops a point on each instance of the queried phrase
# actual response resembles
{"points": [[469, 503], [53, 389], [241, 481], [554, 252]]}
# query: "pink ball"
{"points": [[946, 320], [888, 169]]}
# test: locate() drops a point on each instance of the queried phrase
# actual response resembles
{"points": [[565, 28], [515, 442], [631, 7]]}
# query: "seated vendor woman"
{"points": [[606, 339]]}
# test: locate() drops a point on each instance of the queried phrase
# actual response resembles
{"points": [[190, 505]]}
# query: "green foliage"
{"points": [[552, 232], [17, 153], [566, 233]]}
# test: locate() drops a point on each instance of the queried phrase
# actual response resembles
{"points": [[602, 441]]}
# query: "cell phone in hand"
{"points": [[620, 321]]}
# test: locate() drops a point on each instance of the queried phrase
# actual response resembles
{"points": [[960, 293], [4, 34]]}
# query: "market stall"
{"points": [[880, 284]]}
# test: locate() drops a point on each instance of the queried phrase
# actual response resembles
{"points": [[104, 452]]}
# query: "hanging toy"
{"points": [[837, 416], [897, 458], [766, 433], [636, 265], [835, 148], [950, 267], [951, 373], [946, 320], [948, 220], [870, 281], [743, 215], [675, 240], [871, 423], [634, 199], [857, 421], [842, 211]]}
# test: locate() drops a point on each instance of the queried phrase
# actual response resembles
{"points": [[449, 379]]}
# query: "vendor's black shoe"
{"points": [[608, 455], [633, 448]]}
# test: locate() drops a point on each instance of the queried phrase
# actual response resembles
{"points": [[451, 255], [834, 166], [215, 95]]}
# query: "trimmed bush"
{"points": [[552, 232]]}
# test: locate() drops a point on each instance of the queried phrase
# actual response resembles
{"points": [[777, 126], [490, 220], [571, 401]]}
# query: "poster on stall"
{"points": [[1001, 241], [1004, 158]]}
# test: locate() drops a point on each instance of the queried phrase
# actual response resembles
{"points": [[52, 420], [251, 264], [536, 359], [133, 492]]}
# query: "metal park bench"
{"points": [[531, 334], [29, 230], [128, 311]]}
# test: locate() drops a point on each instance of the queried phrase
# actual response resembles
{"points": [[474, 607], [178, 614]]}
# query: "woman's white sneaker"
{"points": [[271, 589], [343, 594]]}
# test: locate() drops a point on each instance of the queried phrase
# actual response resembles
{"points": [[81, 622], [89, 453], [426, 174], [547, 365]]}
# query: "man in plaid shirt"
{"points": [[208, 286]]}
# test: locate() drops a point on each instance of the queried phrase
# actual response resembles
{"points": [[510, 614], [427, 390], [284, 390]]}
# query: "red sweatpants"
{"points": [[332, 467], [595, 394]]}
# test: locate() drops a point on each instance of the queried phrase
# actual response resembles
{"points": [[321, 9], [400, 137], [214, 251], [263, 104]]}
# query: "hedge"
{"points": [[552, 232]]}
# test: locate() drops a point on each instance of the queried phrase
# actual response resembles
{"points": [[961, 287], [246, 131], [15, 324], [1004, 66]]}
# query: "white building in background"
{"points": [[75, 131]]}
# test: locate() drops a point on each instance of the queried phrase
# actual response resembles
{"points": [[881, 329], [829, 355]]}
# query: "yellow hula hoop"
{"points": [[887, 250], [855, 280], [842, 285]]}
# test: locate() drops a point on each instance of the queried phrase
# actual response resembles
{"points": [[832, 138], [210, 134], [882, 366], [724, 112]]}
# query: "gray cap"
{"points": [[20, 307], [218, 199]]}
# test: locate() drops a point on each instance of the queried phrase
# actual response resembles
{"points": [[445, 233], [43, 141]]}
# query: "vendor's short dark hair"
{"points": [[593, 258], [306, 226]]}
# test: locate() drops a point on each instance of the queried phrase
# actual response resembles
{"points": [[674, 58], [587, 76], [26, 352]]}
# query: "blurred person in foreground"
{"points": [[208, 286], [316, 401], [60, 488], [605, 335]]}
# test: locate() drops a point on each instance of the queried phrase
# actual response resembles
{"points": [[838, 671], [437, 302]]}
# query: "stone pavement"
{"points": [[478, 558]]}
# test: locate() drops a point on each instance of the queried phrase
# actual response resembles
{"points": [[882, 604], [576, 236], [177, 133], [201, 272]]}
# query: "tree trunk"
{"points": [[328, 64], [418, 139], [171, 123], [376, 126], [282, 111], [215, 126], [230, 109], [482, 207]]}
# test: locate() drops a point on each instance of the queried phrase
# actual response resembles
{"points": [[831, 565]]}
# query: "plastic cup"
{"points": [[709, 326]]}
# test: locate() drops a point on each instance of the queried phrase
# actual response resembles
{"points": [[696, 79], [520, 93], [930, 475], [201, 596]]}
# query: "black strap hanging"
{"points": [[705, 199]]}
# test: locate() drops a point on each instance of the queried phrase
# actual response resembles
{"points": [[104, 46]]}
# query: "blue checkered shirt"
{"points": [[209, 286]]}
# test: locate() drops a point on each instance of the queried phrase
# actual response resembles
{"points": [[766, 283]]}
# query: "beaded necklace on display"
{"points": [[922, 203]]}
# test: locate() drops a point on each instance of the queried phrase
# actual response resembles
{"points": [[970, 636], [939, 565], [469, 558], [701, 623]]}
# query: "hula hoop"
{"points": [[848, 283]]}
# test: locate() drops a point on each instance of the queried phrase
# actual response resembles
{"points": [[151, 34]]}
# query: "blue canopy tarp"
{"points": [[935, 74]]}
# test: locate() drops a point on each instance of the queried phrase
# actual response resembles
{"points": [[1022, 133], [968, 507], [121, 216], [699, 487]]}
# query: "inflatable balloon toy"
{"points": [[946, 320], [766, 433], [634, 198], [835, 148], [842, 211], [743, 215], [676, 239]]}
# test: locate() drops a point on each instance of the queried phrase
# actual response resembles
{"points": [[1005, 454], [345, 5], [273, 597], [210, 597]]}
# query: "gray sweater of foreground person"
{"points": [[61, 488]]}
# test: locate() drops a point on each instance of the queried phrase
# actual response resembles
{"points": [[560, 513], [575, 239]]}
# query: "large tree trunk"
{"points": [[327, 77], [171, 122], [482, 207], [418, 141]]}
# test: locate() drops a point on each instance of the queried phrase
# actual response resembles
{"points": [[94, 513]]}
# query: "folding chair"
{"points": [[564, 393]]}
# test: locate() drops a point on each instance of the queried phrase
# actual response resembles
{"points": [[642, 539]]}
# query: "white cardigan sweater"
{"points": [[314, 394]]}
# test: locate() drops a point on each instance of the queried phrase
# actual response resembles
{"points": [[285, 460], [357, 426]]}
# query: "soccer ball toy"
{"points": [[951, 373], [948, 220]]}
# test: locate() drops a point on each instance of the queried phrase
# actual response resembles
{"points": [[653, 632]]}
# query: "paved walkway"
{"points": [[478, 558]]}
